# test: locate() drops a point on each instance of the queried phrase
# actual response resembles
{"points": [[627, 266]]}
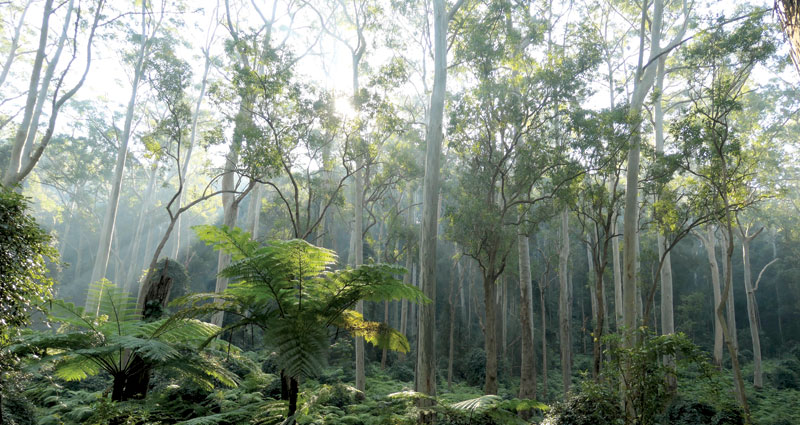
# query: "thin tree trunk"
{"points": [[667, 315], [254, 210], [357, 259], [564, 304], [709, 242], [752, 306], [188, 157], [452, 300], [643, 81], [45, 86], [504, 317], [21, 135], [109, 222], [729, 304], [527, 381], [542, 288], [147, 200], [12, 51], [489, 298]]}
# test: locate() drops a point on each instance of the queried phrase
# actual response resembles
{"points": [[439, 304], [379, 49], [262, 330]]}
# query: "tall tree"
{"points": [[150, 25], [643, 81], [426, 351], [527, 380], [23, 155], [725, 58]]}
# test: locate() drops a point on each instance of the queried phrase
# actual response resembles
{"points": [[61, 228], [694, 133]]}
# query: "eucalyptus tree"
{"points": [[150, 26], [712, 148], [498, 132], [603, 140], [643, 80], [252, 52], [208, 60], [25, 151], [169, 77], [294, 124], [11, 12], [246, 50], [426, 364]]}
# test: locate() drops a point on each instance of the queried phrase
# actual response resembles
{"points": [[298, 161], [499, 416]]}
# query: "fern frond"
{"points": [[149, 349], [300, 348], [477, 404], [38, 341], [377, 334], [76, 368], [235, 242], [68, 313], [202, 368]]}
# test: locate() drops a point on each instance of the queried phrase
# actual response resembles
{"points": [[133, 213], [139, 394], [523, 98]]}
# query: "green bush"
{"points": [[786, 375], [591, 405], [401, 372], [473, 369], [686, 412], [17, 410]]}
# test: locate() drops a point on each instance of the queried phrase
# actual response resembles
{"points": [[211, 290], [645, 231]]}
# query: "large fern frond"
{"points": [[76, 368], [233, 241], [300, 347], [477, 404], [376, 333]]}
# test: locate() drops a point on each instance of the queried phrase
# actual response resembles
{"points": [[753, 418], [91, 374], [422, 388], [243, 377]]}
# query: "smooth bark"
{"points": [[752, 307], [709, 242], [527, 384], [565, 304], [426, 353], [110, 218]]}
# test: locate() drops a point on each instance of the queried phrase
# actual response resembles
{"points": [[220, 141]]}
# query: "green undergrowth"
{"points": [[44, 400]]}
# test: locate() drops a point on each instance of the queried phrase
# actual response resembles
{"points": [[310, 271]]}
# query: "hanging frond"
{"points": [[477, 404], [235, 242], [300, 348], [76, 368], [376, 333]]}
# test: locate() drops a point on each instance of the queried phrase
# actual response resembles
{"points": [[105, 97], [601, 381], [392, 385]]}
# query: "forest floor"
{"points": [[388, 398]]}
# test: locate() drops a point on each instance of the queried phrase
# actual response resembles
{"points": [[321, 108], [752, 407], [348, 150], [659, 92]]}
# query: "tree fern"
{"points": [[115, 340], [291, 290]]}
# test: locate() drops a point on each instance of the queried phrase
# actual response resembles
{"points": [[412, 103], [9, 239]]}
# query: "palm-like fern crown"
{"points": [[107, 339], [291, 289]]}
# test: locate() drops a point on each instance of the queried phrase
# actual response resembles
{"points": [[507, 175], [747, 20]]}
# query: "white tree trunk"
{"points": [[752, 307], [709, 242], [12, 49], [110, 219], [527, 384], [615, 257], [565, 304], [21, 135], [643, 81], [426, 354], [188, 157], [667, 315]]}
